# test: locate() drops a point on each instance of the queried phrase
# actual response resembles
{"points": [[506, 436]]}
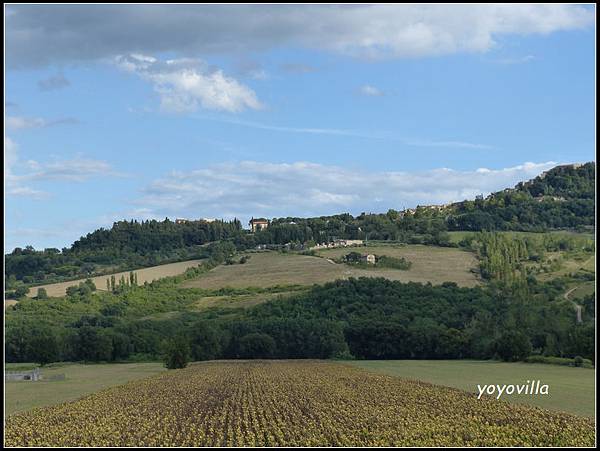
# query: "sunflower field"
{"points": [[291, 403]]}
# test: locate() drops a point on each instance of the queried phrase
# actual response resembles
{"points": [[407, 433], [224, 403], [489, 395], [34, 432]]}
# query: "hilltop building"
{"points": [[258, 224]]}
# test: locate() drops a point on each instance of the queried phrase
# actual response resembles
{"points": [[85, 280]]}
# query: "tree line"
{"points": [[367, 318]]}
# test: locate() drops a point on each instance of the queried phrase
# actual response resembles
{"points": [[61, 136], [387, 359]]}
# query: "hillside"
{"points": [[483, 295], [429, 264], [126, 245], [561, 198]]}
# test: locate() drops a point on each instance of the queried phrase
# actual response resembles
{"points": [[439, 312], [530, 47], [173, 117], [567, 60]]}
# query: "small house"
{"points": [[258, 224]]}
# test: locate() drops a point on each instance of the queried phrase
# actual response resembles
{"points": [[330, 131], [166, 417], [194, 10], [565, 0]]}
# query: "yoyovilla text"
{"points": [[529, 388]]}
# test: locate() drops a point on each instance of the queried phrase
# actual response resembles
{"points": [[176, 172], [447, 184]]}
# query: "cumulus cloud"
{"points": [[370, 91], [50, 34], [22, 123], [20, 175], [252, 188], [53, 83], [187, 84]]}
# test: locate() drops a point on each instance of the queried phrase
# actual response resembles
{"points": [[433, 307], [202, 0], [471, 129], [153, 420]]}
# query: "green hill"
{"points": [[561, 198]]}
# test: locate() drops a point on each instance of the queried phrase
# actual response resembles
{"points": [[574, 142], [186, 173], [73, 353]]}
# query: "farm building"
{"points": [[258, 224]]}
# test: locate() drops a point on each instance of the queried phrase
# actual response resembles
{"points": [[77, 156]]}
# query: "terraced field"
{"points": [[429, 264], [290, 403]]}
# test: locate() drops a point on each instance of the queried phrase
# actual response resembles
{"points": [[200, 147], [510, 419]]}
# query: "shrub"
{"points": [[512, 346], [577, 361], [176, 353]]}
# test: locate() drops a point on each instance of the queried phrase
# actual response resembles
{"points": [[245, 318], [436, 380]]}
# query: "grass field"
{"points": [[144, 275], [239, 300], [79, 380], [579, 263], [582, 290], [429, 264], [571, 389], [293, 403]]}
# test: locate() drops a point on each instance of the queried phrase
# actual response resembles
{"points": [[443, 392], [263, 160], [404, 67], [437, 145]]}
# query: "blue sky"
{"points": [[119, 112]]}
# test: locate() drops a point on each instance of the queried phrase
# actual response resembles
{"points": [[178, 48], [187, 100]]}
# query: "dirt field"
{"points": [[144, 275], [429, 264]]}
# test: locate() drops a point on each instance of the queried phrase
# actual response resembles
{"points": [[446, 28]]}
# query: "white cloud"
{"points": [[371, 91], [50, 34], [53, 83], [19, 175], [252, 188], [14, 183], [252, 69], [514, 60], [10, 154], [22, 123], [185, 85], [77, 169], [354, 134]]}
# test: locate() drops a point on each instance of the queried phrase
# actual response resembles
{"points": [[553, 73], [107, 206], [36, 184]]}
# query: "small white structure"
{"points": [[32, 375], [369, 258], [338, 243]]}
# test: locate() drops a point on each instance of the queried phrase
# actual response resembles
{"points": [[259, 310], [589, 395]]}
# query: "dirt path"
{"points": [[566, 295], [577, 306]]}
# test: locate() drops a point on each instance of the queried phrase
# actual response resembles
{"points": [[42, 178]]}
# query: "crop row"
{"points": [[293, 403]]}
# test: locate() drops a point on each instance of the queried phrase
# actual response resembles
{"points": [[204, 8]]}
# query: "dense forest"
{"points": [[367, 318], [127, 245], [560, 198]]}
